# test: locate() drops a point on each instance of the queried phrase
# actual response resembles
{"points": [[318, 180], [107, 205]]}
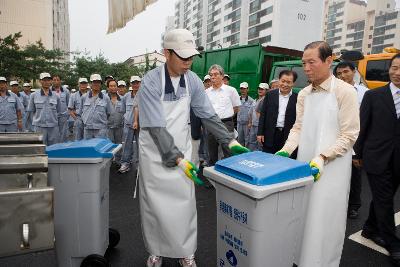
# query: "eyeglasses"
{"points": [[181, 58]]}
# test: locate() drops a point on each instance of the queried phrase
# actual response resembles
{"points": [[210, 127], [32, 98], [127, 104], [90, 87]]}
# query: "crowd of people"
{"points": [[186, 123]]}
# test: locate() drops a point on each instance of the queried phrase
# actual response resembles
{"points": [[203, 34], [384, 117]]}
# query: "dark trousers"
{"points": [[381, 212], [355, 189], [213, 145], [279, 142]]}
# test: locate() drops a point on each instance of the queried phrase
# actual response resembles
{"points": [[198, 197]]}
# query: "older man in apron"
{"points": [[167, 196], [325, 131]]}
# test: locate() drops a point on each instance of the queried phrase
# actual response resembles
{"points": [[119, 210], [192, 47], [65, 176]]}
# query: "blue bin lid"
{"points": [[91, 148], [259, 168]]}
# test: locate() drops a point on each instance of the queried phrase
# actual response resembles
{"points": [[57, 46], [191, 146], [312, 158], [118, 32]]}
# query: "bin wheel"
{"points": [[95, 260], [113, 237]]}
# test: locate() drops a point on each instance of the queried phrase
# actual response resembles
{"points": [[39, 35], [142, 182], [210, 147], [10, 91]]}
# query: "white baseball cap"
{"points": [[82, 80], [207, 77], [73, 90], [135, 78], [227, 76], [13, 83], [121, 83], [3, 79], [130, 88], [26, 85], [44, 75], [182, 42], [263, 86], [95, 77], [274, 81], [244, 85]]}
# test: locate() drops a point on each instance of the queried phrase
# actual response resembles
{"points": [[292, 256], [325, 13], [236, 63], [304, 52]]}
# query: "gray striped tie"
{"points": [[396, 98]]}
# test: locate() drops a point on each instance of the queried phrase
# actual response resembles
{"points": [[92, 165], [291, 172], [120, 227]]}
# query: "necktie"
{"points": [[396, 99]]}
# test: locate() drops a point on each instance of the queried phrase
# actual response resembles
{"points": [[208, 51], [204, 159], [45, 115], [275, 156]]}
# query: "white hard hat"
{"points": [[73, 90], [3, 79], [244, 85], [135, 78], [44, 75], [26, 85], [95, 77], [121, 83], [207, 77], [130, 88], [182, 42], [227, 76], [263, 86], [82, 80], [13, 83]]}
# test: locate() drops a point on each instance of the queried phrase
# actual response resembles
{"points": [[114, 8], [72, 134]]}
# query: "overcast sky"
{"points": [[89, 22]]}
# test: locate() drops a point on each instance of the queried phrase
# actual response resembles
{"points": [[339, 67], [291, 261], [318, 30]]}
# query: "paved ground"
{"points": [[124, 216]]}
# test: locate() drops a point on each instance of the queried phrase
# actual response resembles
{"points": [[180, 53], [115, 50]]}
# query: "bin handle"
{"points": [[116, 149], [30, 180], [25, 236]]}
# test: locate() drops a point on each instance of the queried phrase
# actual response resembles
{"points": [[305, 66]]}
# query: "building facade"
{"points": [[357, 25], [45, 20], [140, 60], [223, 23]]}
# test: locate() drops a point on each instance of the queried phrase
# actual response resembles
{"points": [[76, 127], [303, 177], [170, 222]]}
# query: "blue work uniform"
{"points": [[24, 101], [253, 144], [64, 114], [9, 106], [115, 124], [94, 111], [243, 120], [45, 109], [75, 104], [27, 116], [130, 136]]}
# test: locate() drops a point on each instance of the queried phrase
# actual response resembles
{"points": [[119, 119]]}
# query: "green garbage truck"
{"points": [[248, 63]]}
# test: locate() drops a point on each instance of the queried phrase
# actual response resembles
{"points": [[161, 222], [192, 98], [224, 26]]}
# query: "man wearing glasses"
{"points": [[167, 196]]}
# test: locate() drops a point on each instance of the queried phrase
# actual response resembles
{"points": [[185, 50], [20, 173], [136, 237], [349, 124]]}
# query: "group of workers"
{"points": [[183, 118]]}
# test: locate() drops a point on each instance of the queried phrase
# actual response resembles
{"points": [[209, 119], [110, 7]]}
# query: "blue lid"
{"points": [[90, 148], [259, 168]]}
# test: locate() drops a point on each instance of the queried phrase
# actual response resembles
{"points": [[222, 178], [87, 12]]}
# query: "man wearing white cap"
{"points": [[27, 118], [95, 109], [63, 93], [22, 97], [45, 107], [10, 109], [167, 196], [226, 79], [254, 116], [74, 105], [121, 88], [243, 114], [207, 81], [131, 126]]}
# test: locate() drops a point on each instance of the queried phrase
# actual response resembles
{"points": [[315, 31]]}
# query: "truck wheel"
{"points": [[95, 260], [113, 237]]}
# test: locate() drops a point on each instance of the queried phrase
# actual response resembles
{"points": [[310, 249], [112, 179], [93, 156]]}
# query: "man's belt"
{"points": [[227, 119], [279, 129]]}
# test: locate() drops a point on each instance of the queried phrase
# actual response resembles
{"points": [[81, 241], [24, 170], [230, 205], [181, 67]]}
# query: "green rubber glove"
{"points": [[237, 148], [191, 171], [317, 166], [282, 153]]}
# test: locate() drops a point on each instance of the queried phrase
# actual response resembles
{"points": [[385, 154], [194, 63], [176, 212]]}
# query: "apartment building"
{"points": [[364, 26], [223, 23]]}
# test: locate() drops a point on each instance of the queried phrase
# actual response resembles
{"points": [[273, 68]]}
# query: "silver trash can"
{"points": [[261, 204], [79, 172]]}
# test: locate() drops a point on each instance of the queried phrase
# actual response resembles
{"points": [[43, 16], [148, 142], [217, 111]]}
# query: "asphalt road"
{"points": [[124, 216]]}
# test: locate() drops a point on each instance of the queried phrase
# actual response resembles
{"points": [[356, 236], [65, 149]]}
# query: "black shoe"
{"points": [[395, 258], [377, 239], [352, 214]]}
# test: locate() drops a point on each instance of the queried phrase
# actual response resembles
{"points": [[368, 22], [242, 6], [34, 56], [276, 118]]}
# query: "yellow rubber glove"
{"points": [[282, 153], [191, 171], [237, 148], [317, 167]]}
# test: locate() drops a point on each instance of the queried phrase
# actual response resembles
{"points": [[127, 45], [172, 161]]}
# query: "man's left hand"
{"points": [[19, 124], [237, 148]]}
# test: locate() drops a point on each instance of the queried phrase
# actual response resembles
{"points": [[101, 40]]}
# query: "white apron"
{"points": [[167, 197], [325, 223]]}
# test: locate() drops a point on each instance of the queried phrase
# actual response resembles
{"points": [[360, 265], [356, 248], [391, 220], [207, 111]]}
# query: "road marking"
{"points": [[368, 243]]}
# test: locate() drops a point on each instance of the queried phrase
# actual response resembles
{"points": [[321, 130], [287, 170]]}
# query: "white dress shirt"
{"points": [[223, 100], [283, 102], [360, 92]]}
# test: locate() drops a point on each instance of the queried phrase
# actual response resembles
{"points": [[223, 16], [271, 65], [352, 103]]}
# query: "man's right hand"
{"points": [[260, 139], [357, 163]]}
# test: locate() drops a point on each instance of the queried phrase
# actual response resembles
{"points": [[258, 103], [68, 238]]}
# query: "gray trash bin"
{"points": [[261, 203], [79, 172]]}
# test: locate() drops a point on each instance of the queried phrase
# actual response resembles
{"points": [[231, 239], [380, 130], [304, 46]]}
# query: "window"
{"points": [[379, 31], [378, 70], [378, 40], [256, 5], [235, 15], [262, 40], [302, 80], [357, 44], [255, 18], [255, 31]]}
